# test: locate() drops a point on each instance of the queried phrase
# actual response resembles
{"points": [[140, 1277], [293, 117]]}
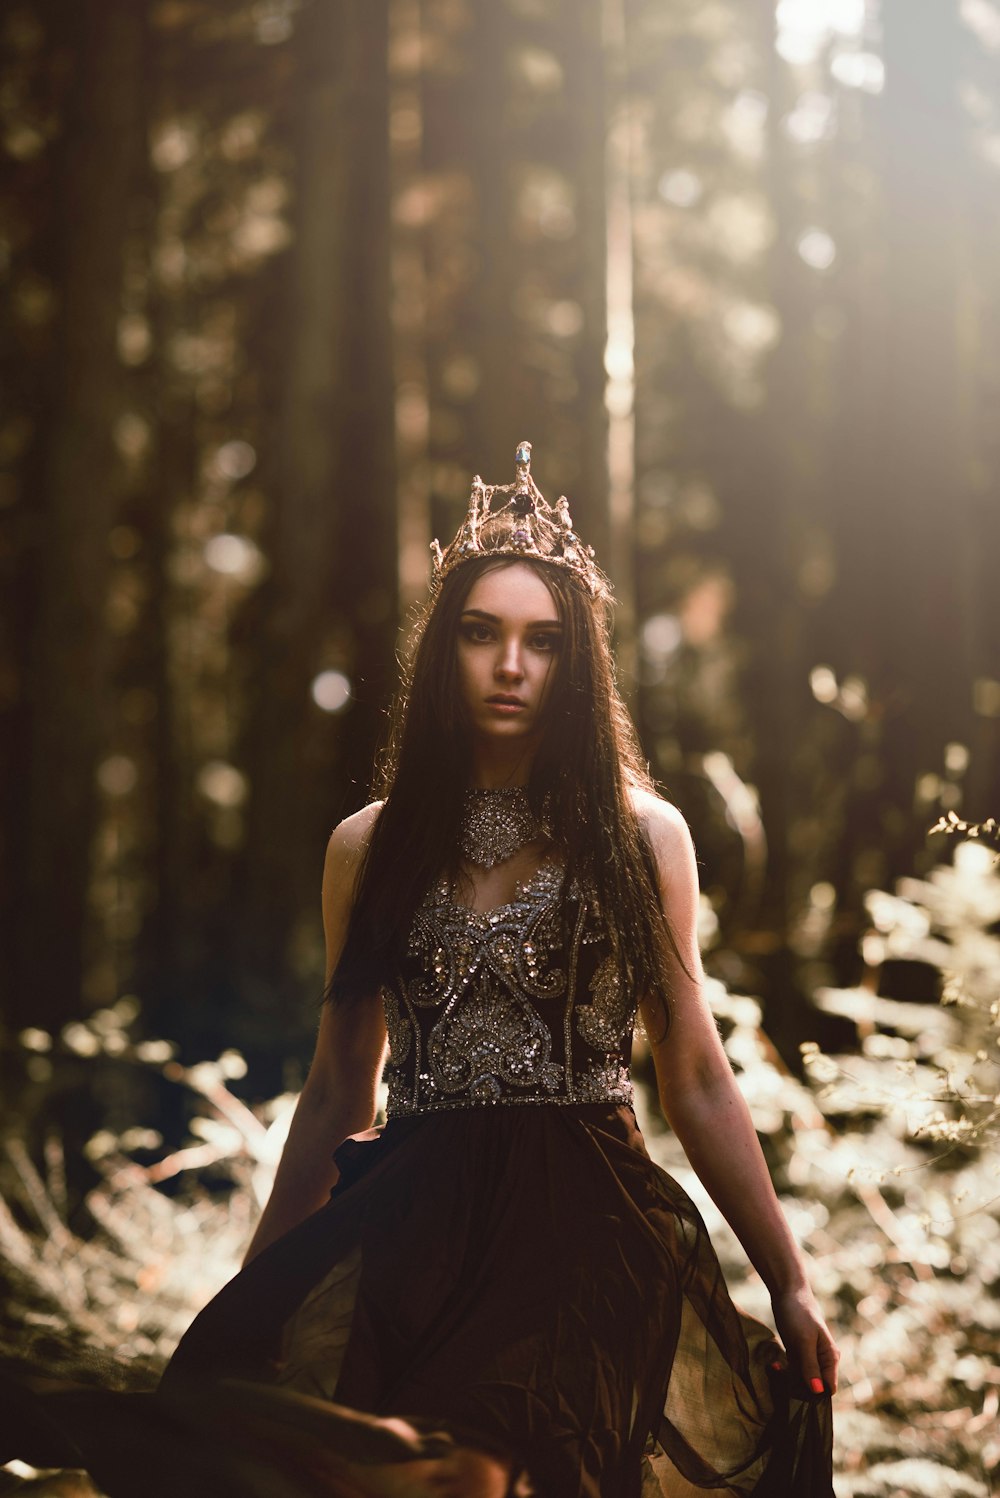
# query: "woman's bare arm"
{"points": [[339, 1097], [707, 1112]]}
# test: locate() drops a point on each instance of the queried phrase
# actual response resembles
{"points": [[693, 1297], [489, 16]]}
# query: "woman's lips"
{"points": [[506, 704]]}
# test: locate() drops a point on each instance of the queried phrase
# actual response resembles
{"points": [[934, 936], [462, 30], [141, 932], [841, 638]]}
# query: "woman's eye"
{"points": [[545, 642], [476, 632]]}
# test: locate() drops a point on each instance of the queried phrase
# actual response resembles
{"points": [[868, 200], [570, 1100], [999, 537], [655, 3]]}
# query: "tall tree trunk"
{"points": [[780, 496], [101, 148], [920, 484], [331, 599], [516, 254]]}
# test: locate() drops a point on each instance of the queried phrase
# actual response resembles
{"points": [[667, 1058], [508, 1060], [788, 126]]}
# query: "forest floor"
{"points": [[905, 1251]]}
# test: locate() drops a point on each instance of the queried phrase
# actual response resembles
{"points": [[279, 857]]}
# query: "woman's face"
{"points": [[509, 636]]}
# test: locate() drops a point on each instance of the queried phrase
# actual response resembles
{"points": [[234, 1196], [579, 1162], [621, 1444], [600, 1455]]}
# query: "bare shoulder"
{"points": [[665, 828], [659, 818], [340, 873], [349, 837]]}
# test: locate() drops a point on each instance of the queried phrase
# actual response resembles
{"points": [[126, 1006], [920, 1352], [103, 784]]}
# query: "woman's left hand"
{"points": [[811, 1349]]}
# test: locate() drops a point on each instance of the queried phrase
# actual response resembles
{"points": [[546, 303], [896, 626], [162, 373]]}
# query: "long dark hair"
{"points": [[587, 762]]}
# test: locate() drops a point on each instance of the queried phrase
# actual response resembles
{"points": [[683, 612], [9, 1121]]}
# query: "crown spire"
{"points": [[533, 529]]}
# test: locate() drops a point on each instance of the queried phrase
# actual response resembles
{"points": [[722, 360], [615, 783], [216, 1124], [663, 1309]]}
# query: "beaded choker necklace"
{"points": [[495, 824]]}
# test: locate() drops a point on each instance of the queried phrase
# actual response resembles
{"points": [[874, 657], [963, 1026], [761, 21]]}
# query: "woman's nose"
{"points": [[509, 662]]}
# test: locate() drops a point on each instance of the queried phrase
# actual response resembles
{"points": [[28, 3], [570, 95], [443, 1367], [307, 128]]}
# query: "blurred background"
{"points": [[280, 276]]}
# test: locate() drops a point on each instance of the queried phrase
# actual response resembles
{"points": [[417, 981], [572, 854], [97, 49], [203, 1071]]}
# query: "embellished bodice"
{"points": [[502, 1007]]}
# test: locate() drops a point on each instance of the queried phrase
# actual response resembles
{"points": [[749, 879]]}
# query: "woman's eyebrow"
{"points": [[495, 619]]}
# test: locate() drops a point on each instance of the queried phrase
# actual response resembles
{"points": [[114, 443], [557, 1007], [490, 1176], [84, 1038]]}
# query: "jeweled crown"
{"points": [[534, 529]]}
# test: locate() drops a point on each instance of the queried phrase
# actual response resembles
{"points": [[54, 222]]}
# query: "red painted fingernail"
{"points": [[775, 1367], [816, 1384]]}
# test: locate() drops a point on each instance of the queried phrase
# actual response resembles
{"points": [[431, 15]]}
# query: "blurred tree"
{"points": [[812, 315], [329, 604], [204, 321], [901, 620], [918, 520], [367, 239], [95, 163], [704, 323], [511, 202], [270, 512]]}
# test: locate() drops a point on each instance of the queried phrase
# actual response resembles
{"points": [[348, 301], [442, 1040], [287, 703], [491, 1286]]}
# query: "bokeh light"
{"points": [[222, 784], [816, 247], [331, 691], [236, 557]]}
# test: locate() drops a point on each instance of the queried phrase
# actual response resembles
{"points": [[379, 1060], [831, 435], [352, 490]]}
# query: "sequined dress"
{"points": [[489, 1010], [501, 1264]]}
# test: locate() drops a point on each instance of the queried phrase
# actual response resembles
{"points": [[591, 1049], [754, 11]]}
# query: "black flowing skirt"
{"points": [[521, 1280]]}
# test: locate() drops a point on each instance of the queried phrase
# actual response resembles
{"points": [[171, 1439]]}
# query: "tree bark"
{"points": [[331, 598], [100, 151]]}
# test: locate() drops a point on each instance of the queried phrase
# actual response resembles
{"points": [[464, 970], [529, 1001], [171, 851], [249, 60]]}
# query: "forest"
{"points": [[280, 276]]}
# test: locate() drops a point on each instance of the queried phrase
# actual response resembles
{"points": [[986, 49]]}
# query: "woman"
{"points": [[498, 1293]]}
